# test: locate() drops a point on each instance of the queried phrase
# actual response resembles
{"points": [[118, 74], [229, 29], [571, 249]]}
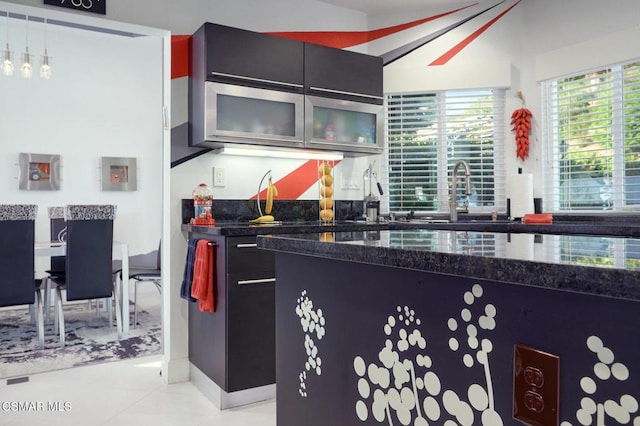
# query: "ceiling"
{"points": [[376, 7]]}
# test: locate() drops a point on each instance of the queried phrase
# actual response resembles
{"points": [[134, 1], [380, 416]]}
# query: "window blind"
{"points": [[591, 140], [427, 133]]}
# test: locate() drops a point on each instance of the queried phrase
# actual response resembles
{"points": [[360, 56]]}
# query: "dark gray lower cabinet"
{"points": [[235, 346]]}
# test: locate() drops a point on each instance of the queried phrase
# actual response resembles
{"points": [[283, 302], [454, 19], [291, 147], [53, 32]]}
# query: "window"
{"points": [[427, 133], [592, 140]]}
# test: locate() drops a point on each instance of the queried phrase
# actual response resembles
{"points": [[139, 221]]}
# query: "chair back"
{"points": [[58, 230], [17, 228], [89, 251]]}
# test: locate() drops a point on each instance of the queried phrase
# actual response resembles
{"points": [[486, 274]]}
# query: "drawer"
{"points": [[243, 256]]}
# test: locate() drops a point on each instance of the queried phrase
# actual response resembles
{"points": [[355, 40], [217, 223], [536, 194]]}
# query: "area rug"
{"points": [[89, 340]]}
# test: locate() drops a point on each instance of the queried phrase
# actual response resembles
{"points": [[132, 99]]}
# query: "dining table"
{"points": [[121, 249]]}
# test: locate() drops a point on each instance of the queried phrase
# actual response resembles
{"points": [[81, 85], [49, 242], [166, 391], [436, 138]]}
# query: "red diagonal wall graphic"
{"points": [[344, 39], [464, 43], [180, 59], [296, 183]]}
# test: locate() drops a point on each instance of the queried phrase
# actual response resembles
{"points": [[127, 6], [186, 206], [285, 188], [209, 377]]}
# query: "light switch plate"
{"points": [[219, 176], [536, 386]]}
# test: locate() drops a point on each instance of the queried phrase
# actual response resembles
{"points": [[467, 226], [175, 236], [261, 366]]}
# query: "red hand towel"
{"points": [[203, 276], [541, 218]]}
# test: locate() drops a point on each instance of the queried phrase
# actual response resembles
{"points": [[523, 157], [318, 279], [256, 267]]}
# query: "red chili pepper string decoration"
{"points": [[521, 122]]}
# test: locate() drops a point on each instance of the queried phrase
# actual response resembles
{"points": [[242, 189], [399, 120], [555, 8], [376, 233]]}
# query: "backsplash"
{"points": [[286, 210]]}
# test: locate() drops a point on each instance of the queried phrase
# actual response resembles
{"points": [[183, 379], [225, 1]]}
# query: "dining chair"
{"points": [[18, 285], [142, 268], [88, 259], [58, 232]]}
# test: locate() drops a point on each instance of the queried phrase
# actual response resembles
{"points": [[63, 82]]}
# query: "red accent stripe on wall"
{"points": [[180, 56], [343, 39], [464, 43], [296, 183]]}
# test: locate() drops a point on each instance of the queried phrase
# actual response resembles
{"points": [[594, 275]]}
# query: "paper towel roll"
{"points": [[521, 195]]}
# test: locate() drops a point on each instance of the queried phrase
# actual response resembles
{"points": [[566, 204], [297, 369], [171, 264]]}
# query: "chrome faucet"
{"points": [[453, 201]]}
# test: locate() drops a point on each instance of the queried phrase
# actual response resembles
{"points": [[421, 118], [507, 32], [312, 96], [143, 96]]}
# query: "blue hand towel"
{"points": [[187, 279]]}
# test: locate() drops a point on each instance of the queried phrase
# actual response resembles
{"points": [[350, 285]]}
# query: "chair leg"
{"points": [[39, 319], [118, 308], [47, 300], [109, 306], [56, 297], [60, 316], [135, 303]]}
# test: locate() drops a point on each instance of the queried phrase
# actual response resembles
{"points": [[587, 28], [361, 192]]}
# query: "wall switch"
{"points": [[536, 386], [219, 176]]}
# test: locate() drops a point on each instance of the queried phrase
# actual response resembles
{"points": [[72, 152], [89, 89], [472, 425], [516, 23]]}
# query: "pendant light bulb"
{"points": [[45, 68], [45, 60], [26, 69], [7, 63]]}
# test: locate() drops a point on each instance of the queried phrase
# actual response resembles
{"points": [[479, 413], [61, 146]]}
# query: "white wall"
{"points": [[86, 111]]}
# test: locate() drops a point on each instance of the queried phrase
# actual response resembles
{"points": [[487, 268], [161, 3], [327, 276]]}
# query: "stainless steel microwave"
{"points": [[343, 125], [249, 115]]}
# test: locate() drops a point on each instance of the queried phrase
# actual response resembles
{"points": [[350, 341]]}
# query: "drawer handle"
{"points": [[342, 92], [258, 281], [247, 245], [258, 80]]}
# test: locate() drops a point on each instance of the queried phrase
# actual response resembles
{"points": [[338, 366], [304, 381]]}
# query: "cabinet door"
{"points": [[251, 331], [262, 60], [340, 73], [243, 257]]}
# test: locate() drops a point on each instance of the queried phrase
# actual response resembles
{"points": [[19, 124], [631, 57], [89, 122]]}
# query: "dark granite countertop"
{"points": [[599, 265], [235, 229], [612, 228]]}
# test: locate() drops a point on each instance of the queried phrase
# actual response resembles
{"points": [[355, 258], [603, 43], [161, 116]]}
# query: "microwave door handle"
{"points": [[258, 138], [257, 80], [342, 92]]}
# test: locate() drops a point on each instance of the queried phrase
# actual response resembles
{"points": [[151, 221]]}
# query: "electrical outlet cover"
{"points": [[536, 386], [219, 176]]}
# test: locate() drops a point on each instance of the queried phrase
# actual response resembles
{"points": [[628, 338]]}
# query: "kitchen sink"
{"points": [[428, 220]]}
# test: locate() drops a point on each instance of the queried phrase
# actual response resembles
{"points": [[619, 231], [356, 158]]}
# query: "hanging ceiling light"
{"points": [[45, 67], [26, 69], [7, 63]]}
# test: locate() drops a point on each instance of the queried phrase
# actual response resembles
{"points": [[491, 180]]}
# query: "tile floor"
{"points": [[119, 393], [122, 393]]}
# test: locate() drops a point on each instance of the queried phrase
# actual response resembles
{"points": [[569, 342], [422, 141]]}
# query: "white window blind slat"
{"points": [[428, 133], [591, 134]]}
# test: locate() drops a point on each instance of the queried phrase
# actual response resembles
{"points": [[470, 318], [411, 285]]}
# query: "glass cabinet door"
{"points": [[238, 114], [343, 125], [332, 124]]}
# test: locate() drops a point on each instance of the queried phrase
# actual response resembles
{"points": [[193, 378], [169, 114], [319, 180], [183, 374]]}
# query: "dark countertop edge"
{"points": [[604, 282], [232, 230], [574, 228]]}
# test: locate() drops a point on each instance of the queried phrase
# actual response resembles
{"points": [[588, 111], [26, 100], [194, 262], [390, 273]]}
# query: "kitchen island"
{"points": [[420, 326]]}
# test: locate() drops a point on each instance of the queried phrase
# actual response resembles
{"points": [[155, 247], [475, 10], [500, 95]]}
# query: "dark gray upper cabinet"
{"points": [[256, 89], [342, 74], [239, 56]]}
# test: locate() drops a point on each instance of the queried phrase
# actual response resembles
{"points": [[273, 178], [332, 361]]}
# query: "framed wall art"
{"points": [[39, 172], [119, 174]]}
